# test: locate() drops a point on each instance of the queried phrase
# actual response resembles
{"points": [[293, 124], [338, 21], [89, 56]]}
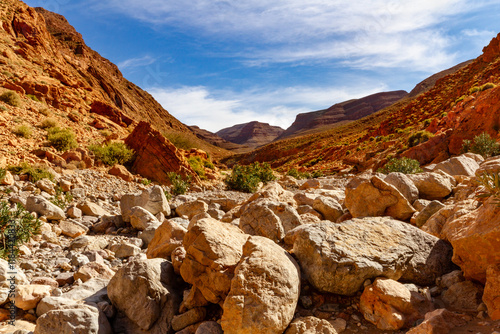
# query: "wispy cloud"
{"points": [[214, 110], [136, 62], [377, 33]]}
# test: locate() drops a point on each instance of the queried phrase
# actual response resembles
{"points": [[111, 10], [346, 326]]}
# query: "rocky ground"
{"points": [[345, 254]]}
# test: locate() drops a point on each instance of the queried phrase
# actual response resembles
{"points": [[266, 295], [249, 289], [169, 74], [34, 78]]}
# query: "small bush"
{"points": [[419, 137], [146, 182], [474, 90], [488, 85], [179, 186], [403, 165], [105, 133], [482, 144], [33, 97], [11, 98], [44, 111], [197, 165], [23, 131], [16, 227], [48, 123], [62, 139], [247, 178], [34, 173], [113, 153], [62, 199]]}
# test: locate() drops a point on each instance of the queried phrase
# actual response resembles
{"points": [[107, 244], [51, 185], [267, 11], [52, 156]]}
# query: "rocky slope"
{"points": [[372, 253], [340, 113], [252, 134]]}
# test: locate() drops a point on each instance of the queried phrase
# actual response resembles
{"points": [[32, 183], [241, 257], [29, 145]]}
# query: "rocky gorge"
{"points": [[370, 253]]}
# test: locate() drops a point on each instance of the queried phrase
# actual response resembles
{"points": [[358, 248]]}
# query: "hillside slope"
{"points": [[252, 134]]}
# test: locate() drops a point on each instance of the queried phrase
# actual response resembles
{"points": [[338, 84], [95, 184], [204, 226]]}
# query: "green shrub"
{"points": [[105, 133], [34, 173], [16, 227], [11, 98], [179, 186], [23, 131], [113, 153], [48, 123], [33, 97], [488, 85], [482, 144], [2, 173], [403, 165], [146, 182], [62, 139], [62, 199], [197, 165], [247, 178], [419, 137], [474, 90]]}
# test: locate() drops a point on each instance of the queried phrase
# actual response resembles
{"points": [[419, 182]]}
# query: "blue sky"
{"points": [[216, 63]]}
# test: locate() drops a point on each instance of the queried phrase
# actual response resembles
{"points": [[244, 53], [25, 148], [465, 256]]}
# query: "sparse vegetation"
{"points": [[34, 173], [402, 165], [11, 98], [486, 86], [180, 140], [198, 164], [482, 144], [23, 131], [146, 181], [179, 186], [247, 178], [62, 139], [62, 199], [419, 137], [113, 153], [491, 184], [33, 97], [48, 123], [16, 227]]}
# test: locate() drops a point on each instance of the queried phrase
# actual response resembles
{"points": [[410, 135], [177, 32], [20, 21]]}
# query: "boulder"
{"points": [[152, 199], [463, 296], [374, 197], [126, 249], [304, 198], [92, 209], [492, 165], [433, 186], [474, 238], [338, 258], [188, 318], [269, 219], [73, 319], [310, 184], [121, 172], [71, 229], [209, 327], [264, 290], [405, 186], [145, 291], [440, 321], [46, 185], [191, 209], [141, 218], [273, 191], [167, 237], [93, 270], [461, 165], [422, 217], [50, 303], [45, 208], [213, 249], [310, 325], [328, 207], [6, 270], [438, 220], [28, 296], [389, 304], [8, 179], [491, 296], [156, 156]]}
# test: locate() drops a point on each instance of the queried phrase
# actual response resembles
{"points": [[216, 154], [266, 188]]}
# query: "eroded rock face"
{"points": [[374, 197], [264, 290], [338, 258], [145, 291], [156, 156], [213, 249]]}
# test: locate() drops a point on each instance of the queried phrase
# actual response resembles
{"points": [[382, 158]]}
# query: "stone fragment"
{"points": [[310, 325], [191, 209], [121, 172], [422, 217], [440, 321], [463, 296], [92, 209], [405, 186], [460, 165], [46, 185], [190, 317], [28, 296], [141, 218], [72, 229], [328, 207], [45, 208], [93, 270], [125, 250]]}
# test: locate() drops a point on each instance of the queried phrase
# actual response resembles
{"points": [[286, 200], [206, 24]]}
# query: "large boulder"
{"points": [[433, 186], [141, 218], [269, 219], [461, 165], [191, 209], [338, 258], [310, 325], [440, 321], [264, 291], [27, 297], [213, 249], [328, 207], [492, 165], [430, 209], [167, 237], [146, 292], [45, 208], [73, 319], [434, 225], [405, 186], [152, 199], [374, 197], [474, 238]]}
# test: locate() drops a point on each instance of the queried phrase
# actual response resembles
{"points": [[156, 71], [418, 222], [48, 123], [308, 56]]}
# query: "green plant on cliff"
{"points": [[402, 165], [11, 98], [16, 227], [419, 137], [113, 153], [179, 186], [491, 186], [197, 165], [482, 144], [61, 139], [247, 178], [34, 173]]}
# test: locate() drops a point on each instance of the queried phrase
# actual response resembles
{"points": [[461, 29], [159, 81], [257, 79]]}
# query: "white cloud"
{"points": [[378, 32], [136, 62], [214, 110]]}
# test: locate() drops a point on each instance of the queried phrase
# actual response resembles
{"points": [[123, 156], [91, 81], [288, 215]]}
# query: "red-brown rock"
{"points": [[121, 172]]}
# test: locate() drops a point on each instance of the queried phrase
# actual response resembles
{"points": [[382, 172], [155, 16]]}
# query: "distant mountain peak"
{"points": [[252, 134]]}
